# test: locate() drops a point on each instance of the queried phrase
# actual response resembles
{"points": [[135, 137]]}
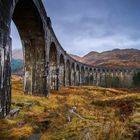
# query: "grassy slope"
{"points": [[109, 114]]}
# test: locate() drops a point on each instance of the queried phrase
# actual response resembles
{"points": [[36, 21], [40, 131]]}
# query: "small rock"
{"points": [[72, 110], [36, 129], [20, 104], [87, 130]]}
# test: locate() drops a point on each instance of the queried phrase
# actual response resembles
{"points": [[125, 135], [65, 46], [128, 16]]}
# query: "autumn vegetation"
{"points": [[74, 113]]}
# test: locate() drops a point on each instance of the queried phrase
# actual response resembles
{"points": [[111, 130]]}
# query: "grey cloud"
{"points": [[98, 24]]}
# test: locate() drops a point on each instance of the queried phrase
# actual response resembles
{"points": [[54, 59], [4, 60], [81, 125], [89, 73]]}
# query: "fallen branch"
{"points": [[13, 112], [72, 111]]}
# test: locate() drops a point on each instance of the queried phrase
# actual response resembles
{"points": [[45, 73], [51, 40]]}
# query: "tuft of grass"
{"points": [[18, 133]]}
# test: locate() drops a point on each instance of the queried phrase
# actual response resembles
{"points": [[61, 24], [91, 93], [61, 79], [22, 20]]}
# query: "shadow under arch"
{"points": [[86, 76], [77, 75], [82, 75], [53, 70], [90, 77], [30, 27]]}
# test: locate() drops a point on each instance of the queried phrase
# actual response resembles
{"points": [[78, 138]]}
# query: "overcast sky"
{"points": [[82, 26]]}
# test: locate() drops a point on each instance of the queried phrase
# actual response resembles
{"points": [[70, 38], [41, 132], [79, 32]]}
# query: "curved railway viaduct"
{"points": [[46, 64]]}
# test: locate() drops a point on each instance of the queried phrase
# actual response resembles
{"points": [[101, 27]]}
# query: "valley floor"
{"points": [[73, 113]]}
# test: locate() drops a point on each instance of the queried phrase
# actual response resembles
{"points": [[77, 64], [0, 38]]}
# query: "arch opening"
{"points": [[30, 27], [62, 71], [68, 77], [90, 77], [82, 75], [27, 19], [53, 70], [86, 76]]}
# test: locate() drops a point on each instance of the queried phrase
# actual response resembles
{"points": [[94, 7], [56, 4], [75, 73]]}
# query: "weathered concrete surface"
{"points": [[46, 64]]}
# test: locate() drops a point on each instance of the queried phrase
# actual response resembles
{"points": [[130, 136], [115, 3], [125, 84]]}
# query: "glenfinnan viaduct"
{"points": [[46, 64]]}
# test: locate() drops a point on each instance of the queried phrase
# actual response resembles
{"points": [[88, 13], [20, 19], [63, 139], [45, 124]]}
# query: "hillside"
{"points": [[17, 54], [73, 113], [114, 58], [17, 62]]}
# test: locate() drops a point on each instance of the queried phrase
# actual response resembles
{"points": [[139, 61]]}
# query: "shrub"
{"points": [[110, 81], [136, 79]]}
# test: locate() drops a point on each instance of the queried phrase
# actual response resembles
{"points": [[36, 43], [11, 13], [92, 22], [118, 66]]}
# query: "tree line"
{"points": [[110, 81]]}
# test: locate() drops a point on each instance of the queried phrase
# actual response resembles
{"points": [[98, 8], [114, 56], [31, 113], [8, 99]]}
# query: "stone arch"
{"points": [[28, 21], [77, 76], [30, 26], [103, 77], [86, 76], [112, 72], [62, 70], [90, 76], [68, 73], [94, 76], [120, 74], [72, 74], [82, 75], [53, 70], [116, 72]]}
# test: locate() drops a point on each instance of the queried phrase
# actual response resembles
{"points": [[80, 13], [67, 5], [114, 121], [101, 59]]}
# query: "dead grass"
{"points": [[20, 133], [105, 113]]}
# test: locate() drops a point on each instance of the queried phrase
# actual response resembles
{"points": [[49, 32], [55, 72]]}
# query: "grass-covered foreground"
{"points": [[74, 113]]}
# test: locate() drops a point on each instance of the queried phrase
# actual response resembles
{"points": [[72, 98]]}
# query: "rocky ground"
{"points": [[73, 113]]}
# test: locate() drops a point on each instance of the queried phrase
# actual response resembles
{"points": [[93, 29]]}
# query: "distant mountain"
{"points": [[17, 54], [114, 58], [78, 58], [17, 62], [129, 58]]}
